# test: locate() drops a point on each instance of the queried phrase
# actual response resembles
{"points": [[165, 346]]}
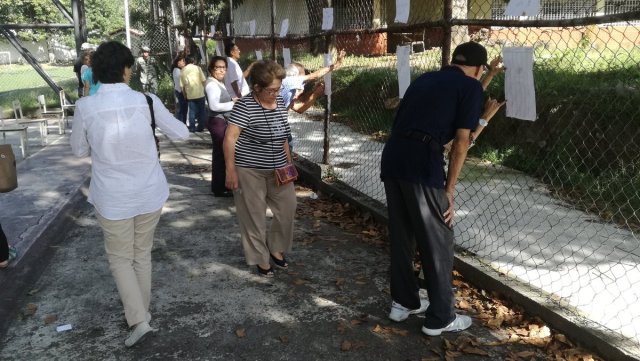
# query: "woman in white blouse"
{"points": [[128, 187], [220, 105], [181, 104]]}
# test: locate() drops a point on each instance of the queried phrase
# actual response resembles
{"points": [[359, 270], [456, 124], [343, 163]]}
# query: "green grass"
{"points": [[22, 82]]}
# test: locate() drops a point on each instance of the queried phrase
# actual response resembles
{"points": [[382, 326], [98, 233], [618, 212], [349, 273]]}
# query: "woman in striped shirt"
{"points": [[255, 144]]}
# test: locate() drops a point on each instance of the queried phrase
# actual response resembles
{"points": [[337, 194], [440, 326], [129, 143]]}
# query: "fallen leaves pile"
{"points": [[518, 336], [346, 217]]}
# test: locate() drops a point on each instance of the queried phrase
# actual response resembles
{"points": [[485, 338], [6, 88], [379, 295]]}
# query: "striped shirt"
{"points": [[264, 131]]}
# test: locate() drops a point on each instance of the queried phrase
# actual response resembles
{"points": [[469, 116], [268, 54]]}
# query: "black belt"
{"points": [[419, 136]]}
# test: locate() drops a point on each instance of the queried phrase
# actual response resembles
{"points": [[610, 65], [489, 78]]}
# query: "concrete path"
{"points": [[207, 303], [512, 223]]}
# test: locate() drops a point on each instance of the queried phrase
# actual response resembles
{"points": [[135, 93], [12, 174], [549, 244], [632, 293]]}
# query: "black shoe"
{"points": [[192, 130], [224, 194], [282, 263], [266, 272]]}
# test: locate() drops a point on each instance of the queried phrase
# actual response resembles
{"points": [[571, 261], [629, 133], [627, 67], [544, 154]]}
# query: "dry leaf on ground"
{"points": [[241, 333]]}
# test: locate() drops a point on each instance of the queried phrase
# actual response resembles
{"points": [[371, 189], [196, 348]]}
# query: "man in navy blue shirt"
{"points": [[438, 107]]}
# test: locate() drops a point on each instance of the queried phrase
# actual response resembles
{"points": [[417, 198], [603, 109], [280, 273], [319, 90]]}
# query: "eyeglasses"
{"points": [[272, 91]]}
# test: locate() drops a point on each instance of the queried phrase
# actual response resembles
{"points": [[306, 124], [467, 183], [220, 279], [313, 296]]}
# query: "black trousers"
{"points": [[416, 219], [217, 126], [4, 246]]}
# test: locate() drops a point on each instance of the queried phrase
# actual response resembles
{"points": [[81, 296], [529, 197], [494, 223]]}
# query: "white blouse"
{"points": [[176, 80], [114, 128]]}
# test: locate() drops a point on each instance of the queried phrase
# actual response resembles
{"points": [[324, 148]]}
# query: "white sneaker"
{"points": [[400, 313], [138, 333], [461, 322]]}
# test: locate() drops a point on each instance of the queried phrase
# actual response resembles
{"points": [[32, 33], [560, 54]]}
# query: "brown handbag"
{"points": [[286, 174], [8, 174]]}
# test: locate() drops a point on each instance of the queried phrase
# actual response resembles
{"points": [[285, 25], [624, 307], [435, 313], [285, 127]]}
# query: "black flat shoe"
{"points": [[282, 263], [223, 194], [266, 272]]}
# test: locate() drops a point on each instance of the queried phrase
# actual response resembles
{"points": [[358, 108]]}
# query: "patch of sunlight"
{"points": [[323, 302]]}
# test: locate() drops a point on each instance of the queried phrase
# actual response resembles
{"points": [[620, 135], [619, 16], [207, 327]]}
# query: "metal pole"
{"points": [[327, 111], [232, 32], [446, 39], [204, 33], [126, 23], [273, 31], [77, 11]]}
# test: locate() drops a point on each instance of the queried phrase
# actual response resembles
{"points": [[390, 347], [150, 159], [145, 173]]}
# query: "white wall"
{"points": [[57, 52]]}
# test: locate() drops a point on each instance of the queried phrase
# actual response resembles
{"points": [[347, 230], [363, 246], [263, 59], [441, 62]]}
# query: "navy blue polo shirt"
{"points": [[436, 103]]}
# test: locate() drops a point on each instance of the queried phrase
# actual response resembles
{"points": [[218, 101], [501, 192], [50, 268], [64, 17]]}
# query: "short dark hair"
{"points": [[212, 63], [190, 59], [228, 46], [109, 61], [179, 57], [264, 72]]}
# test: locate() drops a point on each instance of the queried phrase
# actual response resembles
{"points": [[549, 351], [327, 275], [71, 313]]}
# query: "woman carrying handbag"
{"points": [[259, 169]]}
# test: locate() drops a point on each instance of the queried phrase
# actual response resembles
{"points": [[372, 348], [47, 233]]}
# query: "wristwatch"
{"points": [[483, 122]]}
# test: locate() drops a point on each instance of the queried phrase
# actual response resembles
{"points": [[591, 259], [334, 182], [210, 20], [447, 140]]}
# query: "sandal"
{"points": [[282, 263], [266, 272]]}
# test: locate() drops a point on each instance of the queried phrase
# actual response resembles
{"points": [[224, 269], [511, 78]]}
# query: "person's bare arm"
{"points": [[229, 148], [456, 160], [236, 89], [495, 67], [491, 106], [327, 69], [246, 72]]}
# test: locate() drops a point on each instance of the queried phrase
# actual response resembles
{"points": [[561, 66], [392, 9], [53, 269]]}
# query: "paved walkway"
{"points": [[513, 223], [207, 304]]}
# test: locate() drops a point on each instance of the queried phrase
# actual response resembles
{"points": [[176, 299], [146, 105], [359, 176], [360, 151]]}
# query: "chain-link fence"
{"points": [[553, 203]]}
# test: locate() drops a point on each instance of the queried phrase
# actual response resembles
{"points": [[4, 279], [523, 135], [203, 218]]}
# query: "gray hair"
{"points": [[292, 70]]}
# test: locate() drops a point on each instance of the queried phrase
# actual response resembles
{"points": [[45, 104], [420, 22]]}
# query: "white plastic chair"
{"points": [[20, 119], [57, 113]]}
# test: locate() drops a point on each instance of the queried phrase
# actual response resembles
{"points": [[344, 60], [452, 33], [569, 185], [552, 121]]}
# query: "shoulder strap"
{"points": [[153, 117]]}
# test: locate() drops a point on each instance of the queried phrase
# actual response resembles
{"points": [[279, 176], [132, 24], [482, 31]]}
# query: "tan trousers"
{"points": [[128, 243], [258, 190]]}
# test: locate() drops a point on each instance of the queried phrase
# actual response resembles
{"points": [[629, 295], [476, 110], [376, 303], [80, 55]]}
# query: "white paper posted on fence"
{"points": [[327, 18], [252, 28], [284, 28], [327, 78], [519, 88], [404, 68], [402, 11], [258, 54], [228, 29], [286, 55], [522, 8]]}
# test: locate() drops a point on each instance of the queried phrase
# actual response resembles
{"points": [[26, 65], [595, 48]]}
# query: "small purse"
{"points": [[286, 174], [8, 173]]}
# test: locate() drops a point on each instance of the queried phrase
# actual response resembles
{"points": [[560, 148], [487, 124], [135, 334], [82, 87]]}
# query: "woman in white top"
{"points": [[220, 105], [181, 105], [128, 187]]}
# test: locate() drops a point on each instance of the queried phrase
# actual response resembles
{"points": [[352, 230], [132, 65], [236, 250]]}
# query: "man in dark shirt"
{"points": [[438, 107]]}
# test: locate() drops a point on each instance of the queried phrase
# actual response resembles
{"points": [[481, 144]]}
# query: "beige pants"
{"points": [[258, 190], [128, 243]]}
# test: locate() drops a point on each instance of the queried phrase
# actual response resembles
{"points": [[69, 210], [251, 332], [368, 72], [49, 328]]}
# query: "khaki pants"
{"points": [[128, 244], [258, 190]]}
